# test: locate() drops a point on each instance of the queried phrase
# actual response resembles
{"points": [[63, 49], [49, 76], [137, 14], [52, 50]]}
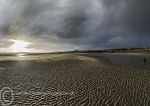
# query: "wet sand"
{"points": [[77, 80]]}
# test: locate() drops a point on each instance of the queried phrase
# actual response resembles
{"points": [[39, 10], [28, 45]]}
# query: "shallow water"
{"points": [[128, 59], [24, 57], [124, 58]]}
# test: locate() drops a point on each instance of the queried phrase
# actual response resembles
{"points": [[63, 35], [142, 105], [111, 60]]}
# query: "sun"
{"points": [[19, 46]]}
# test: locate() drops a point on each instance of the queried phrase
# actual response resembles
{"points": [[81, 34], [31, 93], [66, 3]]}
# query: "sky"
{"points": [[63, 25]]}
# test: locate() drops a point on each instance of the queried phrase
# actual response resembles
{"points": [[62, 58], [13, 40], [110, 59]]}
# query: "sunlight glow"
{"points": [[19, 46]]}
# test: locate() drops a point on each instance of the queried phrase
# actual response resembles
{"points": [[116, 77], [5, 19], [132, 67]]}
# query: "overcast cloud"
{"points": [[76, 24]]}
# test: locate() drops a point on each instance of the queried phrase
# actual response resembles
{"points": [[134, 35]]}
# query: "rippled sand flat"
{"points": [[86, 81]]}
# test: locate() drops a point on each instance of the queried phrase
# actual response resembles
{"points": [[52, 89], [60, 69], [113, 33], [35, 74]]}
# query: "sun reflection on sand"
{"points": [[21, 55]]}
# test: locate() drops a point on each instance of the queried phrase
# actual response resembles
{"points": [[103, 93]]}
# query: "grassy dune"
{"points": [[89, 81]]}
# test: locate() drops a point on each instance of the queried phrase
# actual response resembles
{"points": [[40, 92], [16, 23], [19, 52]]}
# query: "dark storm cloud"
{"points": [[5, 43], [87, 24], [138, 16], [23, 14], [126, 23], [74, 18], [132, 15]]}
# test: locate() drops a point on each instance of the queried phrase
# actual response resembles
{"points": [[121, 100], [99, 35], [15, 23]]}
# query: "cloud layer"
{"points": [[77, 24]]}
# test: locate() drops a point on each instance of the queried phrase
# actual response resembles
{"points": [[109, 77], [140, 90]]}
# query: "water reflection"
{"points": [[21, 55], [128, 59], [123, 58]]}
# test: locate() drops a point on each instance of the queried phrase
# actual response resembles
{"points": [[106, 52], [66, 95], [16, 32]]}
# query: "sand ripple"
{"points": [[88, 82]]}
